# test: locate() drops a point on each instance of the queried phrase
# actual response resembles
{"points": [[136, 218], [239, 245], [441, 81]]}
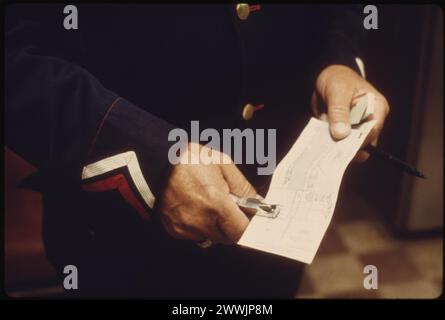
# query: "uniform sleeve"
{"points": [[63, 121], [342, 37]]}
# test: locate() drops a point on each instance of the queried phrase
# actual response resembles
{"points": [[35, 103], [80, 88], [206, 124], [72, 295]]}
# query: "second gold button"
{"points": [[243, 11], [248, 111]]}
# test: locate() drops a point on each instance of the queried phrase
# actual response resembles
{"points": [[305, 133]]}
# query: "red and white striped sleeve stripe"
{"points": [[119, 181]]}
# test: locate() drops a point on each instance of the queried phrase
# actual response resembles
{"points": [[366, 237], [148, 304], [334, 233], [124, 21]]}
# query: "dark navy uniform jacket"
{"points": [[92, 108]]}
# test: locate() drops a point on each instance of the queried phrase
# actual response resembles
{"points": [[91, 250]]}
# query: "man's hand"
{"points": [[196, 204], [336, 90]]}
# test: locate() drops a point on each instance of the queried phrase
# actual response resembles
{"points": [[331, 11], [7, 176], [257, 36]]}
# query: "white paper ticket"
{"points": [[305, 184]]}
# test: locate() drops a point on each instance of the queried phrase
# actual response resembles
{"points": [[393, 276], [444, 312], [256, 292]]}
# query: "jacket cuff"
{"points": [[130, 154], [340, 58]]}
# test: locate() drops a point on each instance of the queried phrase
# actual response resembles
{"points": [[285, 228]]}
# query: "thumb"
{"points": [[238, 184], [231, 220], [338, 97]]}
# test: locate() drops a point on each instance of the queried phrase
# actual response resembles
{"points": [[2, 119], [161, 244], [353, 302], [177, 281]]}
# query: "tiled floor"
{"points": [[407, 268]]}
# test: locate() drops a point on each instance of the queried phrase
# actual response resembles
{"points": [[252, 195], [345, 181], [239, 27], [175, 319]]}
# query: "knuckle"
{"points": [[335, 86], [176, 229], [246, 188], [384, 103], [212, 195], [172, 229], [337, 111], [190, 221]]}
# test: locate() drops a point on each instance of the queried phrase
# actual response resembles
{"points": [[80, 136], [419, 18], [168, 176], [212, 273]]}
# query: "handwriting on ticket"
{"points": [[305, 185]]}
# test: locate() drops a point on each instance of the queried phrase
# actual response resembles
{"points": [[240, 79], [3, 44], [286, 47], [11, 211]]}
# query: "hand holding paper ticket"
{"points": [[305, 184], [337, 89]]}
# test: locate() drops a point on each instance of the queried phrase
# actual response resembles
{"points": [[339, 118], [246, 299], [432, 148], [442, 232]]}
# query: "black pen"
{"points": [[393, 160]]}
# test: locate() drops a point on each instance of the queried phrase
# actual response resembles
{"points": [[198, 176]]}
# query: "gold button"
{"points": [[248, 111], [243, 10]]}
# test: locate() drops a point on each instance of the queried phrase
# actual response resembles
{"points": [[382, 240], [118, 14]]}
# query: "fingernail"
{"points": [[341, 130], [324, 117]]}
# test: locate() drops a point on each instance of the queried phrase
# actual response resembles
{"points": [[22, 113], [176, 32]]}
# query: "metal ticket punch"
{"points": [[257, 207]]}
